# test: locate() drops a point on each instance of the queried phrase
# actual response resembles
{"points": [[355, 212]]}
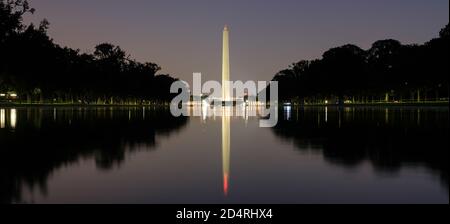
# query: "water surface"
{"points": [[144, 155]]}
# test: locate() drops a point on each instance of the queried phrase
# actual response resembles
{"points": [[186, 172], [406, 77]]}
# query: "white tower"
{"points": [[226, 96]]}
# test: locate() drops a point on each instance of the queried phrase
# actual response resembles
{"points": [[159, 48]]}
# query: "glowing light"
{"points": [[326, 101], [2, 118], [2, 94], [288, 112], [246, 114], [225, 184], [13, 117], [13, 95], [204, 111], [143, 113], [387, 115]]}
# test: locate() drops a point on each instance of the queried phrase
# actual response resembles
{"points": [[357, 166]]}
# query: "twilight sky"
{"points": [[184, 36]]}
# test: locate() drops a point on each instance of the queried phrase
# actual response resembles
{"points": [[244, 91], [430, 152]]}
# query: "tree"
{"points": [[109, 52], [342, 68], [445, 32], [11, 17], [383, 62]]}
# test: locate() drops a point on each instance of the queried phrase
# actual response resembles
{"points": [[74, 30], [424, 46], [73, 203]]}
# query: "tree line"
{"points": [[34, 69], [387, 72]]}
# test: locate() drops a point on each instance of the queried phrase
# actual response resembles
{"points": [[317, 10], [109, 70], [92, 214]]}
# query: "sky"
{"points": [[266, 36]]}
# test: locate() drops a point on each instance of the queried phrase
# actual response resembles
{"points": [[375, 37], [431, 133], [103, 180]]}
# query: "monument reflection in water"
{"points": [[226, 113], [226, 141], [145, 155]]}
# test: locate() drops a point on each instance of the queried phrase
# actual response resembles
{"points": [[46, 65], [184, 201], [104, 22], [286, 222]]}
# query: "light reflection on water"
{"points": [[13, 118], [2, 118], [226, 142], [8, 118], [143, 155]]}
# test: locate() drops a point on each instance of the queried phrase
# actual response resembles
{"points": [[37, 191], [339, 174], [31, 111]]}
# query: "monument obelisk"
{"points": [[226, 96]]}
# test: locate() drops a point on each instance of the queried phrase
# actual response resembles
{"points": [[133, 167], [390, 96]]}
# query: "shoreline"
{"points": [[77, 105], [421, 104], [417, 104]]}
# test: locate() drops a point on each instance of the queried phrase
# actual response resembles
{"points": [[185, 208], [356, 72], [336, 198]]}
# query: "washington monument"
{"points": [[226, 96]]}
